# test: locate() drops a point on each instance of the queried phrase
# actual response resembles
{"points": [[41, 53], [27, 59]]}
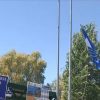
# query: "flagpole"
{"points": [[69, 96], [58, 50]]}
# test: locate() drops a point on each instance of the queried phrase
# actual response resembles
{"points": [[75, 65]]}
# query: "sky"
{"points": [[31, 25]]}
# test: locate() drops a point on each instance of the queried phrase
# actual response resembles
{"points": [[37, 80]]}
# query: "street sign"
{"points": [[3, 86]]}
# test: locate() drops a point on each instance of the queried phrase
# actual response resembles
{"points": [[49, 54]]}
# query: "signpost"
{"points": [[37, 91], [33, 91], [3, 87]]}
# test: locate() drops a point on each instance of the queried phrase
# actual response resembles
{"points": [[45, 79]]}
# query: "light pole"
{"points": [[69, 95], [58, 50]]}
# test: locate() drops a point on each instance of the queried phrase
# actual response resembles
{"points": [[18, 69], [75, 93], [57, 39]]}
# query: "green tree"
{"points": [[23, 67], [85, 76], [53, 86]]}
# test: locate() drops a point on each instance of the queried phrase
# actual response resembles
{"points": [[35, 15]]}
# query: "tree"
{"points": [[23, 67], [85, 76], [53, 86]]}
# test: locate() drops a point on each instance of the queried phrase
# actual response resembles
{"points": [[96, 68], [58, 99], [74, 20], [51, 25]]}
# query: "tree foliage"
{"points": [[85, 76], [53, 86], [23, 67]]}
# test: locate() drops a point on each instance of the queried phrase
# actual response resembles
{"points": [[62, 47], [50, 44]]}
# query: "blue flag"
{"points": [[91, 49]]}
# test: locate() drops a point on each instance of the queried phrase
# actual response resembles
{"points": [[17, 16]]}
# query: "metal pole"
{"points": [[69, 96], [58, 50]]}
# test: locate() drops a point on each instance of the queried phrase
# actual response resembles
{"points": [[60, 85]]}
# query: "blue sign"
{"points": [[45, 87], [3, 86], [9, 92]]}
